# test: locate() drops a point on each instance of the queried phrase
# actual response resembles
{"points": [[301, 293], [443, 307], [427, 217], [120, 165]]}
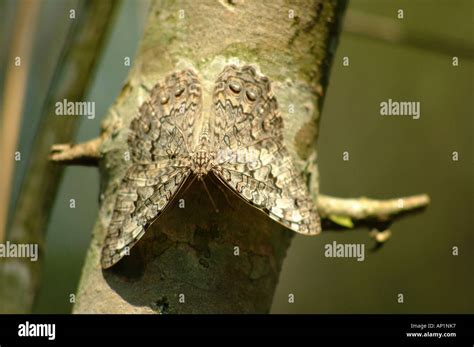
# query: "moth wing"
{"points": [[251, 157], [160, 140], [164, 126], [145, 191]]}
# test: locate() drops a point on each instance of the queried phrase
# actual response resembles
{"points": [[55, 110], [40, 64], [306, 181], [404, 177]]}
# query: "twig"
{"points": [[365, 208], [378, 215], [85, 153]]}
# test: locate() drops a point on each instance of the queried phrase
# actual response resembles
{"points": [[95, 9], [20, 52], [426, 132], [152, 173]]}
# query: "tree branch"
{"points": [[85, 153], [365, 208]]}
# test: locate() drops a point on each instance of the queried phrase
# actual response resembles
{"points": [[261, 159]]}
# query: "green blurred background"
{"points": [[389, 157]]}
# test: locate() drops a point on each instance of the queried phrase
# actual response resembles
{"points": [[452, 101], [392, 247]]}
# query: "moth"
{"points": [[238, 139]]}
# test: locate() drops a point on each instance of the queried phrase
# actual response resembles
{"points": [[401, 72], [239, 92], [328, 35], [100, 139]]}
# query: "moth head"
{"points": [[202, 161]]}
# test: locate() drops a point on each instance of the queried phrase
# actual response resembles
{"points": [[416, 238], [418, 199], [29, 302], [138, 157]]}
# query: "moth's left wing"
{"points": [[165, 124], [145, 191], [160, 141], [251, 157]]}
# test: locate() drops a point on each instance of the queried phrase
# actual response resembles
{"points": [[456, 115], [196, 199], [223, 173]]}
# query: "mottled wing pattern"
{"points": [[164, 126], [144, 193], [160, 140], [251, 157]]}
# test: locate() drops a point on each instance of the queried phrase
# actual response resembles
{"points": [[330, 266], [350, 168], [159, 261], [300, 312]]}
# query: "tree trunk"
{"points": [[192, 259]]}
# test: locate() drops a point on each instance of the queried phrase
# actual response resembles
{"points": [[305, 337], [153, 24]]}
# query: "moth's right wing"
{"points": [[144, 193]]}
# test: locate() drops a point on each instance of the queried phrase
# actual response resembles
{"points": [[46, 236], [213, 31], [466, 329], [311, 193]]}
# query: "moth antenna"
{"points": [[189, 185], [210, 197], [219, 185]]}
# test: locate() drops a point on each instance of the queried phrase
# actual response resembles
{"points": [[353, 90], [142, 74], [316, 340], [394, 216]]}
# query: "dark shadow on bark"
{"points": [[190, 250]]}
